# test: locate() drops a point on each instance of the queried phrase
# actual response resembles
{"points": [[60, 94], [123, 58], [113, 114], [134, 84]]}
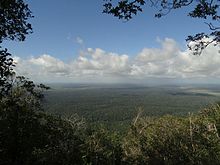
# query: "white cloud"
{"points": [[169, 50], [169, 61], [49, 64]]}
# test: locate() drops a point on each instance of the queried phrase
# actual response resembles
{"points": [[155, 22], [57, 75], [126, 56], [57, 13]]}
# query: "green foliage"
{"points": [[13, 26], [28, 136], [62, 141], [103, 147], [13, 20], [175, 140], [6, 71], [115, 105], [212, 114], [124, 9]]}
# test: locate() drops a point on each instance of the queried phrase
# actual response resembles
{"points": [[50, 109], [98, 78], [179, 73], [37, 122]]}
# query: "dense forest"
{"points": [[115, 105], [29, 135]]}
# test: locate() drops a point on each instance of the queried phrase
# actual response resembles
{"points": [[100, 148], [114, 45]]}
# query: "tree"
{"points": [[203, 9], [19, 97], [13, 20], [192, 139], [28, 135], [13, 26]]}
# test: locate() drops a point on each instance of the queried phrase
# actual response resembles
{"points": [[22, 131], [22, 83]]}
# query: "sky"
{"points": [[73, 41]]}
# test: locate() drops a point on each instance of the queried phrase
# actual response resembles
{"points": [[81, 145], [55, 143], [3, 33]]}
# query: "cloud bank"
{"points": [[97, 65]]}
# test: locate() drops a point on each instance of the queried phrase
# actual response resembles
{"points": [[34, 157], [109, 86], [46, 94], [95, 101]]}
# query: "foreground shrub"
{"points": [[38, 138], [103, 147], [175, 140], [62, 141], [28, 135], [212, 116]]}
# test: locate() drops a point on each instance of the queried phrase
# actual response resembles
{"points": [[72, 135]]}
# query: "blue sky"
{"points": [[68, 29], [57, 24]]}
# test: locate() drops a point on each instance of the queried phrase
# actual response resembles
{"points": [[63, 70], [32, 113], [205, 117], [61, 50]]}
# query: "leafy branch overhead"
{"points": [[202, 9], [14, 15], [13, 20]]}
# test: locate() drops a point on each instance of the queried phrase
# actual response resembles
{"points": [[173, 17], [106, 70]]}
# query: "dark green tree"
{"points": [[202, 9], [28, 135], [13, 20], [14, 15]]}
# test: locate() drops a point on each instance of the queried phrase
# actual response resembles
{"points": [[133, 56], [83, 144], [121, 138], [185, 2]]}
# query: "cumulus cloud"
{"points": [[171, 62], [49, 64], [168, 61], [168, 50]]}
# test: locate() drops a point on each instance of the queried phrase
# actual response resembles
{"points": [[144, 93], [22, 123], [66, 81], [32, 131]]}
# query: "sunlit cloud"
{"points": [[168, 61]]}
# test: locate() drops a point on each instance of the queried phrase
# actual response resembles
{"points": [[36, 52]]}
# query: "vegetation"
{"points": [[14, 15], [116, 105], [175, 140], [35, 137], [29, 135]]}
